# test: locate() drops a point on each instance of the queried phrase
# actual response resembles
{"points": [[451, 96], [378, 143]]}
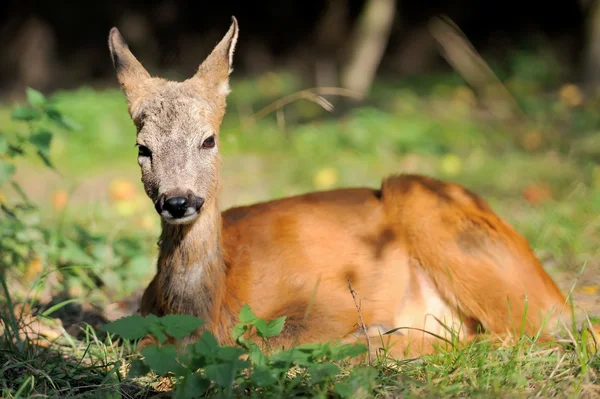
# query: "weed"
{"points": [[246, 369]]}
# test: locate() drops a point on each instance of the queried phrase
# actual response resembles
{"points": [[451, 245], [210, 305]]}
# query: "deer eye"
{"points": [[143, 151], [209, 142]]}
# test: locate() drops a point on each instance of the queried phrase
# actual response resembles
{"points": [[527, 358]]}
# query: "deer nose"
{"points": [[176, 206]]}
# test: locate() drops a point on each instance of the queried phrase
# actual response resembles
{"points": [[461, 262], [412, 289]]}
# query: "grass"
{"points": [[99, 230]]}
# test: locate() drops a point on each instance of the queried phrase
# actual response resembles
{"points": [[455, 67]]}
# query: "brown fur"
{"points": [[416, 251]]}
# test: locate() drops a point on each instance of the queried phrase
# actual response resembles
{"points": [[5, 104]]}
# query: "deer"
{"points": [[422, 254]]}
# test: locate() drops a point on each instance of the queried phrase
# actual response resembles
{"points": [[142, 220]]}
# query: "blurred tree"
{"points": [[592, 51], [329, 38], [32, 55], [369, 39], [51, 45]]}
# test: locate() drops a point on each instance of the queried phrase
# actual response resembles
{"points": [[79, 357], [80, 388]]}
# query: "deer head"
{"points": [[177, 127]]}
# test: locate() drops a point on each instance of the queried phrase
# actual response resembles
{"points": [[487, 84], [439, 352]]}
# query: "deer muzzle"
{"points": [[179, 208]]}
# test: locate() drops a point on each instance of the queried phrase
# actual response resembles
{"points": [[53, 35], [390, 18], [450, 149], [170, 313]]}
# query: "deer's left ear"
{"points": [[215, 70]]}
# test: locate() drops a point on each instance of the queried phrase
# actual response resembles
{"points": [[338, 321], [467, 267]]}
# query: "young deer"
{"points": [[419, 252]]}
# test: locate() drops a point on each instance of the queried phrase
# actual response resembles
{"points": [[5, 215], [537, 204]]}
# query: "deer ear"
{"points": [[131, 74], [217, 67]]}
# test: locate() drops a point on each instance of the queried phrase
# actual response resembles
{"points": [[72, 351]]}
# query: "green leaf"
{"points": [[310, 347], [44, 157], [58, 306], [322, 371], [158, 331], [191, 359], [257, 355], [70, 124], [193, 386], [360, 377], [41, 140], [61, 120], [206, 345], [274, 327], [162, 359], [293, 355], [178, 325], [344, 390], [6, 171], [318, 350], [16, 150], [238, 332], [229, 353], [222, 374], [343, 351], [153, 319], [129, 327], [262, 327], [247, 315], [25, 114], [262, 376], [35, 98], [138, 369], [21, 192]]}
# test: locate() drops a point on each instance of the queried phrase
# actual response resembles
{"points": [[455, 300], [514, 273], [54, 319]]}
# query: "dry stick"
{"points": [[362, 322], [313, 95]]}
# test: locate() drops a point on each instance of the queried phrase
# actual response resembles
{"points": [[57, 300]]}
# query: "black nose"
{"points": [[176, 206]]}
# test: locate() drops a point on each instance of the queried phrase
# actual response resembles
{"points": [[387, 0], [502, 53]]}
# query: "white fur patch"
{"points": [[224, 88], [232, 45]]}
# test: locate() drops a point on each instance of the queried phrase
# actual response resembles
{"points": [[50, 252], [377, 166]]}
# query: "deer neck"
{"points": [[190, 265]]}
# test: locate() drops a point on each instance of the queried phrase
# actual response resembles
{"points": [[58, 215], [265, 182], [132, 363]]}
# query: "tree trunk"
{"points": [[592, 51], [369, 40], [330, 34]]}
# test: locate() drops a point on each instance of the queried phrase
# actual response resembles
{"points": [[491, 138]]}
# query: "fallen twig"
{"points": [[314, 94], [362, 322]]}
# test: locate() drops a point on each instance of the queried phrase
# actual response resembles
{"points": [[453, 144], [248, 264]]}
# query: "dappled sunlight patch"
{"points": [[325, 178], [532, 139], [59, 200], [537, 193], [39, 357], [42, 331], [571, 95], [128, 201], [34, 268], [122, 189], [450, 165], [589, 289]]}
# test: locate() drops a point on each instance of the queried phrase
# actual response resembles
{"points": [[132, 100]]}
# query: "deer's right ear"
{"points": [[131, 74]]}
